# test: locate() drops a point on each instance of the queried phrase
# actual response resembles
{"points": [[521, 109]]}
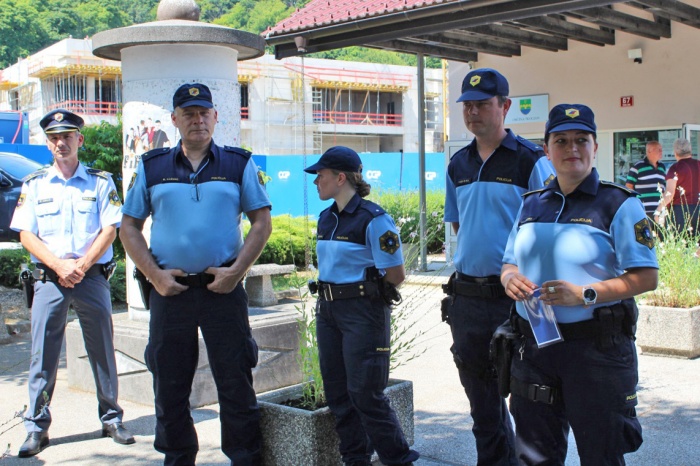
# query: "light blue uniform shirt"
{"points": [[67, 215]]}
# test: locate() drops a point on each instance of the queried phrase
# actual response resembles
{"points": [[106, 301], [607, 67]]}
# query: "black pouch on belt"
{"points": [[27, 280], [501, 354], [145, 287]]}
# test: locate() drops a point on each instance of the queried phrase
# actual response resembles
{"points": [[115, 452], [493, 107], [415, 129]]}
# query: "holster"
{"points": [[145, 287], [448, 300], [501, 354], [629, 321], [27, 280]]}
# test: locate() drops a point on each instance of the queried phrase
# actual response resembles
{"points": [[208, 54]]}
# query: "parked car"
{"points": [[13, 168]]}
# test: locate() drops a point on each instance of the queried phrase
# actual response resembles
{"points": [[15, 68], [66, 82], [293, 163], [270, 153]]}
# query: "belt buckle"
{"points": [[327, 293]]}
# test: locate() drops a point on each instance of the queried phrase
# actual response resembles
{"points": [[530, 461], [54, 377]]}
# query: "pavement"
{"points": [[669, 403]]}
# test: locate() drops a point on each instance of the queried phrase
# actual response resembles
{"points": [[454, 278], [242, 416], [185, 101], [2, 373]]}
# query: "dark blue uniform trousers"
{"points": [[473, 321], [597, 399], [92, 303], [172, 355], [353, 343]]}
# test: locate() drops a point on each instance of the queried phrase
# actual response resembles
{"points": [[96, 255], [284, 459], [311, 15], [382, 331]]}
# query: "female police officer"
{"points": [[358, 252], [588, 244]]}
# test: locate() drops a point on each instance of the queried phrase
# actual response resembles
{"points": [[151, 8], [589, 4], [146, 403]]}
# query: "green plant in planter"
{"points": [[679, 269]]}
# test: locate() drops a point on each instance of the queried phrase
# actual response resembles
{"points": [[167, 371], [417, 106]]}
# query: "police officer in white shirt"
{"points": [[67, 216]]}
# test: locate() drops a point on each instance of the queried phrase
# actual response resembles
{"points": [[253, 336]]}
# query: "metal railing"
{"points": [[86, 107], [357, 118]]}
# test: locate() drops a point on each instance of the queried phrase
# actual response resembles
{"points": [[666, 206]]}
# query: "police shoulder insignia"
{"points": [[642, 232], [98, 172], [389, 242], [131, 183], [34, 175], [549, 179], [114, 198], [21, 199]]}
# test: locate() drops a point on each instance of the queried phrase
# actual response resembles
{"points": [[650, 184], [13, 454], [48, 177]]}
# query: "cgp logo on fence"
{"points": [[373, 174], [283, 175], [430, 176]]}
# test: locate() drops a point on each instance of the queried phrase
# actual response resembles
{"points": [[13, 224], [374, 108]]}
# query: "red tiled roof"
{"points": [[326, 12]]}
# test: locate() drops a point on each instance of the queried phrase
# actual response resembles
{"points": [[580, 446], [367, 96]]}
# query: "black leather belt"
{"points": [[591, 328], [200, 280], [331, 292], [43, 272], [485, 287]]}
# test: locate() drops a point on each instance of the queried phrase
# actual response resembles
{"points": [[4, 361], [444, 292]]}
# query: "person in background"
{"points": [[360, 265], [682, 190], [587, 245], [485, 182], [68, 216], [648, 178]]}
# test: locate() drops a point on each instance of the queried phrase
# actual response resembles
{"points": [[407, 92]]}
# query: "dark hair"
{"points": [[355, 179], [502, 99]]}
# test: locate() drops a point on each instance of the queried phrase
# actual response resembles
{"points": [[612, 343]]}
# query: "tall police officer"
{"points": [[484, 183], [195, 194], [359, 262], [67, 216], [588, 244]]}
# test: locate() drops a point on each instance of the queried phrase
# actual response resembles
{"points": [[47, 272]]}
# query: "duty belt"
{"points": [[485, 287], [200, 280], [43, 272], [331, 292], [592, 328]]}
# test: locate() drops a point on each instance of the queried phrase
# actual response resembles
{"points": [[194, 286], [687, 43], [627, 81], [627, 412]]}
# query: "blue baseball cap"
{"points": [[339, 158], [483, 84], [192, 94], [61, 121], [564, 117]]}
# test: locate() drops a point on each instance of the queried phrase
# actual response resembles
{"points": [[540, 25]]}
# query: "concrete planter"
{"points": [[293, 437], [669, 331]]}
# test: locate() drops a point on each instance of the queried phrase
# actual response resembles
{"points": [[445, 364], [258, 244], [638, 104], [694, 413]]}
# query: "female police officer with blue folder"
{"points": [[588, 245], [358, 252]]}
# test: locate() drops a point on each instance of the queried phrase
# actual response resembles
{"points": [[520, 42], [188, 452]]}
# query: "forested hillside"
{"points": [[27, 26]]}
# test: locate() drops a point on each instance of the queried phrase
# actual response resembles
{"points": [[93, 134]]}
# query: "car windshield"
{"points": [[17, 166]]}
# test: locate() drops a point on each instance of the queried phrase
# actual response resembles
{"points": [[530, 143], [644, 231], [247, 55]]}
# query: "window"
{"points": [[630, 147]]}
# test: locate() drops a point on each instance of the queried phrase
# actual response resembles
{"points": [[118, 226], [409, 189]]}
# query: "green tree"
{"points": [[21, 33], [97, 15], [255, 16], [103, 149]]}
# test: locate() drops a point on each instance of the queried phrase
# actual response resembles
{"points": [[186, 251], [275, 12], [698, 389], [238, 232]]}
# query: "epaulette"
{"points": [[374, 209], [31, 176], [155, 152], [529, 144], [239, 151], [98, 172], [619, 186], [533, 192]]}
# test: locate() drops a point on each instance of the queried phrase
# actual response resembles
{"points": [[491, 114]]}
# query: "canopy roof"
{"points": [[462, 29]]}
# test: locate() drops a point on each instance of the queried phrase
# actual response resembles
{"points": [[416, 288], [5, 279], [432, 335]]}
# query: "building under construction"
{"points": [[291, 106]]}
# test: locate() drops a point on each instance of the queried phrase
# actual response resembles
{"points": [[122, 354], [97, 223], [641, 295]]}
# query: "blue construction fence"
{"points": [[386, 171]]}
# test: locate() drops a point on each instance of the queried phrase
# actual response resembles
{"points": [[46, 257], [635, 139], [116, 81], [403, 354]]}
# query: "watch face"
{"points": [[590, 294]]}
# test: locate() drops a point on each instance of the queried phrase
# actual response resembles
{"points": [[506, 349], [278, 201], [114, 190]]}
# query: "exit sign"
{"points": [[627, 101]]}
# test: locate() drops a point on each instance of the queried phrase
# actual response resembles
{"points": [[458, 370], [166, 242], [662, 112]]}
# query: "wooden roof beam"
{"points": [[474, 43], [432, 50], [673, 10], [523, 37], [570, 30], [627, 23]]}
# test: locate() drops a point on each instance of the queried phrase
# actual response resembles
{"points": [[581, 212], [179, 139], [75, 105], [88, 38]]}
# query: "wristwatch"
{"points": [[589, 296]]}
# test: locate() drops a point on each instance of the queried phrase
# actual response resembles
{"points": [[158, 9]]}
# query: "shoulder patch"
{"points": [[618, 186], [98, 172], [372, 208], [20, 201], [238, 151], [642, 233], [131, 183], [35, 174], [114, 198], [389, 242], [155, 152]]}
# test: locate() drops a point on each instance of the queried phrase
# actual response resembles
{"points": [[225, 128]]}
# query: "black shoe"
{"points": [[358, 463], [118, 433], [36, 441]]}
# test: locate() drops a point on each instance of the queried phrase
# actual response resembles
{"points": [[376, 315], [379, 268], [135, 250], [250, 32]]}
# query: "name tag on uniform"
{"points": [[44, 201], [93, 199]]}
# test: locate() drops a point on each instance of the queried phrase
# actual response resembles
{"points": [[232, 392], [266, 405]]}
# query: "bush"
{"points": [[287, 242], [118, 282], [404, 208], [10, 262]]}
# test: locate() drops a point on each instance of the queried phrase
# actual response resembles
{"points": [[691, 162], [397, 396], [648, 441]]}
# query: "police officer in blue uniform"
{"points": [[67, 216], [360, 264], [195, 194], [588, 245], [485, 181]]}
